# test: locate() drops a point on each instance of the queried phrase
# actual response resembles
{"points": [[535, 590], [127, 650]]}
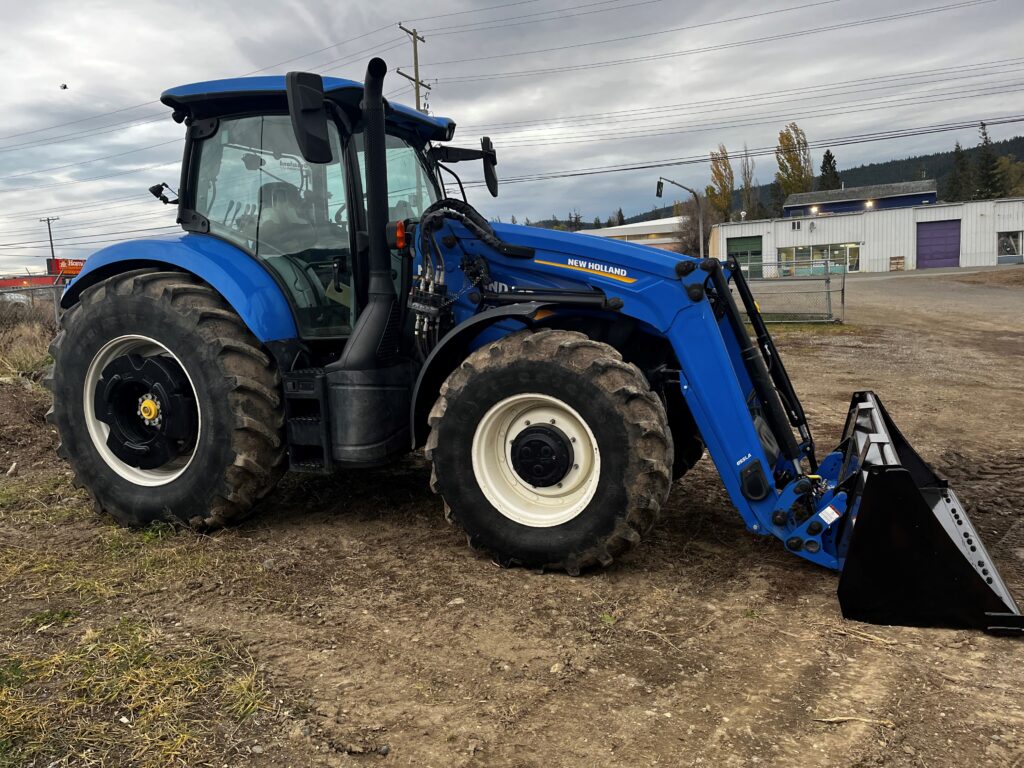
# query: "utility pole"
{"points": [[416, 40], [49, 231]]}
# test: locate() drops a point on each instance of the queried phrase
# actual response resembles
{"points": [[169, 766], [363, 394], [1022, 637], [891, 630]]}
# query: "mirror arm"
{"points": [[459, 154]]}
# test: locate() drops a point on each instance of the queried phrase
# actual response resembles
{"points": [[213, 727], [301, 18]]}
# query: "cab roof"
{"points": [[220, 97]]}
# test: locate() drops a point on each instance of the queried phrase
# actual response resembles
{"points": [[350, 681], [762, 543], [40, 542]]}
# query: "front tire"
{"points": [[166, 406], [550, 451]]}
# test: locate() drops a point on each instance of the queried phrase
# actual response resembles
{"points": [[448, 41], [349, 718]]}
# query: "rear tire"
{"points": [[231, 451], [608, 451]]}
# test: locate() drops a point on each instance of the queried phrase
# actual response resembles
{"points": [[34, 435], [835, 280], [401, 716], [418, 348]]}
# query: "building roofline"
{"points": [[819, 217]]}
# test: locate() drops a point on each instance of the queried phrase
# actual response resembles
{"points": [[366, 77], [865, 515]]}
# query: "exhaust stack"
{"points": [[368, 345]]}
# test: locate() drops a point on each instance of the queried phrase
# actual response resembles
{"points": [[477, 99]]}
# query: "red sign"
{"points": [[66, 267], [26, 281]]}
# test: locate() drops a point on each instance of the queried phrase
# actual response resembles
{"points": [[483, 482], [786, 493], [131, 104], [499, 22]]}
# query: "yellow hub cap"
{"points": [[148, 409]]}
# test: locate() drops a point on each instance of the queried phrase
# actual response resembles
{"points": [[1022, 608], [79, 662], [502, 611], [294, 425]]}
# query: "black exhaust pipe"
{"points": [[369, 345]]}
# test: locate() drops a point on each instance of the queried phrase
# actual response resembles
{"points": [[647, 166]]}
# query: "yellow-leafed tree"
{"points": [[719, 192], [796, 173]]}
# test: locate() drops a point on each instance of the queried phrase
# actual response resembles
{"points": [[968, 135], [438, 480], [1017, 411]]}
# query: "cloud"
{"points": [[117, 55]]}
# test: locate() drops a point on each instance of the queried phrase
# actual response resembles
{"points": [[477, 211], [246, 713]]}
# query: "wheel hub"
{"points": [[536, 460], [149, 409], [542, 455], [147, 404]]}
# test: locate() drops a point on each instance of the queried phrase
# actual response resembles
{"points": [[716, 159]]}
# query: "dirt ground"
{"points": [[347, 623]]}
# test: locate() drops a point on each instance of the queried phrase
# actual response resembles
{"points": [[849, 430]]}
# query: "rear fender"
{"points": [[240, 279]]}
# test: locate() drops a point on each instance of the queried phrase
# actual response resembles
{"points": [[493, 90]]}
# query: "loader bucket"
{"points": [[913, 558]]}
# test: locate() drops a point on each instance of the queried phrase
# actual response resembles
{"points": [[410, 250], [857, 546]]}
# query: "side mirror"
{"points": [[490, 160], [309, 118]]}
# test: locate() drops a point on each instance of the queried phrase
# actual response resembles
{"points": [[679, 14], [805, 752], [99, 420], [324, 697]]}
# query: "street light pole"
{"points": [[700, 210]]}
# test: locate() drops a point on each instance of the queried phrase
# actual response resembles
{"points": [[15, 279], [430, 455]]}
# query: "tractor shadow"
{"points": [[698, 546]]}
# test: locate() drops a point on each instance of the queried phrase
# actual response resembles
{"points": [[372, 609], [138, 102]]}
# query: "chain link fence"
{"points": [[801, 292], [29, 317]]}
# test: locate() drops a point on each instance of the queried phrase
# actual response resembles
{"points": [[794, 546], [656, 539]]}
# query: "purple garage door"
{"points": [[938, 244]]}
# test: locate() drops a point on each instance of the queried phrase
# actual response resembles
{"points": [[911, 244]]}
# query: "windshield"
{"points": [[257, 192], [410, 186]]}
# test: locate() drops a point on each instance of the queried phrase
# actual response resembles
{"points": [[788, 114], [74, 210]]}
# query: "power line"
{"points": [[86, 206], [86, 162], [839, 88], [762, 119], [318, 50], [89, 132], [473, 10], [103, 221], [79, 238], [719, 47], [668, 31], [763, 151], [87, 246], [90, 179], [529, 18], [79, 120]]}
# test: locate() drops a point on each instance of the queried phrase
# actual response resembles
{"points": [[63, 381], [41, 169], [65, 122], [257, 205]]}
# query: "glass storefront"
{"points": [[814, 259]]}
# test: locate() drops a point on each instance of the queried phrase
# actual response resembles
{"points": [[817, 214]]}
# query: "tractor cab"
{"points": [[246, 180]]}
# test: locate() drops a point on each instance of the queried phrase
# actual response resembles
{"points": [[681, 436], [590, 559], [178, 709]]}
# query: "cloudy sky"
{"points": [[560, 86]]}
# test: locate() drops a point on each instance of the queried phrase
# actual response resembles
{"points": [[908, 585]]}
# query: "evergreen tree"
{"points": [[989, 180], [620, 218], [597, 222], [959, 185], [514, 219], [777, 200], [829, 178]]}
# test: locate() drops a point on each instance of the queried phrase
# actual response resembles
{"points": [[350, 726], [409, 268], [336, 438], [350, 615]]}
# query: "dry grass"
{"points": [[1007, 277], [80, 683], [124, 694], [24, 338], [112, 562]]}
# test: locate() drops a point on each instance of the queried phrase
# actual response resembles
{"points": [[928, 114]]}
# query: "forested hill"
{"points": [[935, 166]]}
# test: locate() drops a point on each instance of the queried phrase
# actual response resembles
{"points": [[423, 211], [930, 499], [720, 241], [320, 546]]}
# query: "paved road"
{"points": [[937, 296]]}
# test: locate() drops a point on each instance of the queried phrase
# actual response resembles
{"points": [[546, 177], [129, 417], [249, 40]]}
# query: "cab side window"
{"points": [[258, 193]]}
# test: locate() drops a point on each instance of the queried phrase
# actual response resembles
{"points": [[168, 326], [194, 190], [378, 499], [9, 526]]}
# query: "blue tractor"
{"points": [[329, 307]]}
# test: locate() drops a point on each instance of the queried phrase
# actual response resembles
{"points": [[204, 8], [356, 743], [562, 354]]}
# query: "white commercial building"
{"points": [[660, 233], [974, 234]]}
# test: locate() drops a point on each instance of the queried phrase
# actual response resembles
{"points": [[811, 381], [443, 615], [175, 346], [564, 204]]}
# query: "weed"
{"points": [[48, 618], [125, 694]]}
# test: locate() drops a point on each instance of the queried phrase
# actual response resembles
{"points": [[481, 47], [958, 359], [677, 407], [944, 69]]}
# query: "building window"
{"points": [[1009, 248], [803, 261], [794, 225]]}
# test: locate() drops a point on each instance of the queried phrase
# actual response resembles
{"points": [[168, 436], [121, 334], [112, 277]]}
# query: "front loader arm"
{"points": [[730, 392], [873, 509]]}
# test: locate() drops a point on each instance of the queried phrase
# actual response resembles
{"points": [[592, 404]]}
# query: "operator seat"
{"points": [[282, 225]]}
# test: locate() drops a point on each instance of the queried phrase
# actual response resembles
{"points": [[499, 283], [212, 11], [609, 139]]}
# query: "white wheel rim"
{"points": [[99, 430], [509, 493]]}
